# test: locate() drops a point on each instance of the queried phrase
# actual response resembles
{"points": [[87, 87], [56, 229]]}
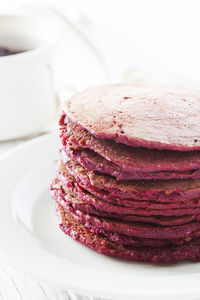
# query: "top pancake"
{"points": [[139, 116]]}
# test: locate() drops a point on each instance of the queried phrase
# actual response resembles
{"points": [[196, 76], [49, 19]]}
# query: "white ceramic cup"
{"points": [[27, 95]]}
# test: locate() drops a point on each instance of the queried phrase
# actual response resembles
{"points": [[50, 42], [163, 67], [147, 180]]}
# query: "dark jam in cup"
{"points": [[6, 51]]}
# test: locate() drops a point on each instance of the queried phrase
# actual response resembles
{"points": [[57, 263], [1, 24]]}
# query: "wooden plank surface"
{"points": [[16, 286]]}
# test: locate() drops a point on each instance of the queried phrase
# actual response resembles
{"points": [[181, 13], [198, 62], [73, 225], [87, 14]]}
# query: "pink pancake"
{"points": [[169, 254], [161, 191], [93, 162], [127, 204], [65, 197], [135, 229], [127, 160], [147, 117]]}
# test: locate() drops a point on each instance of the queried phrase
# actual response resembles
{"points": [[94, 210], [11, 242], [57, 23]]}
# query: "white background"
{"points": [[158, 38]]}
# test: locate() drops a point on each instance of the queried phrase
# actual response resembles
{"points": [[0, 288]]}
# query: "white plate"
{"points": [[31, 240]]}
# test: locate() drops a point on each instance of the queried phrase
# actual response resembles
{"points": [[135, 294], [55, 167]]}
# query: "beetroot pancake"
{"points": [[168, 254], [82, 198], [139, 116], [65, 197], [135, 242], [128, 159], [132, 241], [163, 190], [93, 162], [69, 182], [135, 229]]}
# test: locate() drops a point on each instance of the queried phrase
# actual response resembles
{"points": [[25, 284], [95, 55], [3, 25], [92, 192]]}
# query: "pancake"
{"points": [[122, 205], [135, 229], [146, 210], [168, 254], [154, 190], [124, 240], [129, 160], [66, 197], [129, 240], [93, 162], [148, 117]]}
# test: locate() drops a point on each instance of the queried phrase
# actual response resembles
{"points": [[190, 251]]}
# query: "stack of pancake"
{"points": [[128, 181]]}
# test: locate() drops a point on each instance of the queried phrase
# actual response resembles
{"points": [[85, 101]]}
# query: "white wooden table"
{"points": [[16, 286]]}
